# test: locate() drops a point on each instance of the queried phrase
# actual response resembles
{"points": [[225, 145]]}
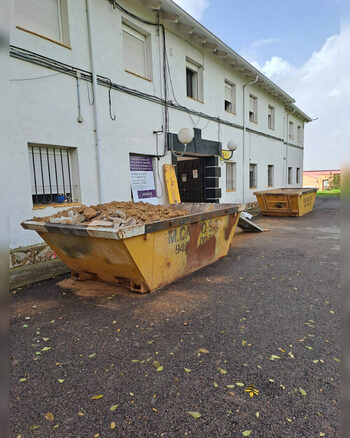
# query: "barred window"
{"points": [[50, 171]]}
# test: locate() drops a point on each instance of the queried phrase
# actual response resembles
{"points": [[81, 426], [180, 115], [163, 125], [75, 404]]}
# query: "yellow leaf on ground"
{"points": [[203, 350], [96, 397], [187, 370], [81, 414], [195, 414], [113, 407], [222, 371], [49, 416], [113, 425], [161, 368]]}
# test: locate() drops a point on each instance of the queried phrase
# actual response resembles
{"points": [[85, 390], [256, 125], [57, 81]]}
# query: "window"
{"points": [[253, 109], [230, 177], [46, 18], [299, 134], [290, 175], [194, 80], [291, 130], [50, 171], [252, 176], [270, 175], [137, 49], [297, 176], [230, 97], [271, 117]]}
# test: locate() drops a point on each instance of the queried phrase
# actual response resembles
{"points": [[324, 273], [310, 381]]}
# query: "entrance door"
{"points": [[190, 179]]}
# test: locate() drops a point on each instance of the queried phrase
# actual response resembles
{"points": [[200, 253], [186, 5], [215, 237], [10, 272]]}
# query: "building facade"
{"points": [[94, 82], [318, 178]]}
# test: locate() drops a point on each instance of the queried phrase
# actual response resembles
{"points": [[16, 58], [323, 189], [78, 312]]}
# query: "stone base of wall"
{"points": [[31, 255]]}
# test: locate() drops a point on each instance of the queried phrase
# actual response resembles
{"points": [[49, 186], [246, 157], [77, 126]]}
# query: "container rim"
{"points": [[287, 191], [135, 230]]}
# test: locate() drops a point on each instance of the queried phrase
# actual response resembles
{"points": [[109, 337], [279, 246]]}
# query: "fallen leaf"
{"points": [[232, 394], [309, 348], [230, 386], [113, 407], [132, 394], [96, 397], [291, 355], [81, 414], [315, 361], [156, 364], [203, 350], [187, 370], [23, 379], [45, 339], [273, 357], [271, 380], [135, 361], [113, 425], [239, 384], [161, 368], [46, 349], [302, 391], [150, 342], [222, 371], [289, 420], [49, 416], [34, 427], [215, 385], [322, 434], [25, 326], [61, 380], [247, 433], [336, 359], [195, 414], [257, 414], [92, 355]]}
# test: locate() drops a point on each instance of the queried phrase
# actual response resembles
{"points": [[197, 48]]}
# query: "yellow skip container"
{"points": [[147, 257], [286, 202]]}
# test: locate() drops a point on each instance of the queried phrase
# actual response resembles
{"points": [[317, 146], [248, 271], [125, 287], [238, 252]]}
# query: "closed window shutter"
{"points": [[40, 16], [134, 51], [228, 92]]}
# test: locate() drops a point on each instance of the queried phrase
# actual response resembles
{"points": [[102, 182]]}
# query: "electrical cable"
{"points": [[113, 117], [33, 79]]}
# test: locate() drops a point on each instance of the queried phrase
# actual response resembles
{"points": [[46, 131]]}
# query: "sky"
{"points": [[298, 45]]}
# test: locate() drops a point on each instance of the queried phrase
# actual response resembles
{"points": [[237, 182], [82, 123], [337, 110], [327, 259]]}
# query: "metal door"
{"points": [[190, 180]]}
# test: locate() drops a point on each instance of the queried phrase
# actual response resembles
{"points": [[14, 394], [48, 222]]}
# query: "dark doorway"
{"points": [[190, 176]]}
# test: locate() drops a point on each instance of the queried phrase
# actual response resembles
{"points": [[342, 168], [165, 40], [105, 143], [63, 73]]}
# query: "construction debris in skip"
{"points": [[113, 215]]}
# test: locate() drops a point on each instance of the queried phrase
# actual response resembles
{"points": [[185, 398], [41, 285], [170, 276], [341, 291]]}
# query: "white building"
{"points": [[91, 84]]}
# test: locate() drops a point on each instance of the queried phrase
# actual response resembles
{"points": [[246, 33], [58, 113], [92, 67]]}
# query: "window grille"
{"points": [[50, 169]]}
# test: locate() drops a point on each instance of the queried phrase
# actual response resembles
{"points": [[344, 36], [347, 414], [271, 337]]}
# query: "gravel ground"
{"points": [[276, 296]]}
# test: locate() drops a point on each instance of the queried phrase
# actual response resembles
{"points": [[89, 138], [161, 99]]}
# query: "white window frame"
{"points": [[197, 78], [270, 175], [253, 112], [230, 92], [290, 175], [62, 21], [143, 36], [254, 183], [231, 176], [271, 117], [291, 130]]}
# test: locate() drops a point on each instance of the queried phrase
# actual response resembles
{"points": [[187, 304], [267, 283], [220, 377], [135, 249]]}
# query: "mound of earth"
{"points": [[113, 214]]}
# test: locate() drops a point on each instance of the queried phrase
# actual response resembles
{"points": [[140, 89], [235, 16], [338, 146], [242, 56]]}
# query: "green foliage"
{"points": [[334, 181]]}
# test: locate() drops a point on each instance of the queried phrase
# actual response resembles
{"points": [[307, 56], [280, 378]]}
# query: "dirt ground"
{"points": [[100, 361]]}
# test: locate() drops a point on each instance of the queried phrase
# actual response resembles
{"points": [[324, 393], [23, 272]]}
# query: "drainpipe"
{"points": [[96, 112], [244, 129]]}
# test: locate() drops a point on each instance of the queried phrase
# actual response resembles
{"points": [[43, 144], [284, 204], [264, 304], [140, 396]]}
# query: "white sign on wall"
{"points": [[142, 179]]}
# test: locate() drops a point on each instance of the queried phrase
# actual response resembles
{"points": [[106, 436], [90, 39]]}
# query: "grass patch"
{"points": [[334, 192]]}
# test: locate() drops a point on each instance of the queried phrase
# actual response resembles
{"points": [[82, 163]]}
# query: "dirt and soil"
{"points": [[114, 214]]}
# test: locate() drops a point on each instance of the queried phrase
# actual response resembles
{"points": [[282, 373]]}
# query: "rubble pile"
{"points": [[113, 215]]}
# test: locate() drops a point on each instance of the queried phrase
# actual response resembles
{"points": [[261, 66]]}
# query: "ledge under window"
{"points": [[44, 37]]}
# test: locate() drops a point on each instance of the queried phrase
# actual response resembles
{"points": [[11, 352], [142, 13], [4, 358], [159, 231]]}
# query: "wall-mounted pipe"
{"points": [[244, 133], [96, 112]]}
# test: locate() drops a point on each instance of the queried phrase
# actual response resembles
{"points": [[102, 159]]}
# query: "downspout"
{"points": [[244, 130], [96, 113]]}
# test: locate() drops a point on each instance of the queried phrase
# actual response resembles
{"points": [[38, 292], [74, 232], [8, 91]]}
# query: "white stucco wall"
{"points": [[44, 111]]}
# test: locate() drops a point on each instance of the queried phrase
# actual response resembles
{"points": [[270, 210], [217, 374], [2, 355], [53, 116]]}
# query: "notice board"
{"points": [[142, 179]]}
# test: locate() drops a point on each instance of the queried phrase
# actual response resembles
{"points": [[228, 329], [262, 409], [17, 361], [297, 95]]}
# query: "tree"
{"points": [[333, 181]]}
